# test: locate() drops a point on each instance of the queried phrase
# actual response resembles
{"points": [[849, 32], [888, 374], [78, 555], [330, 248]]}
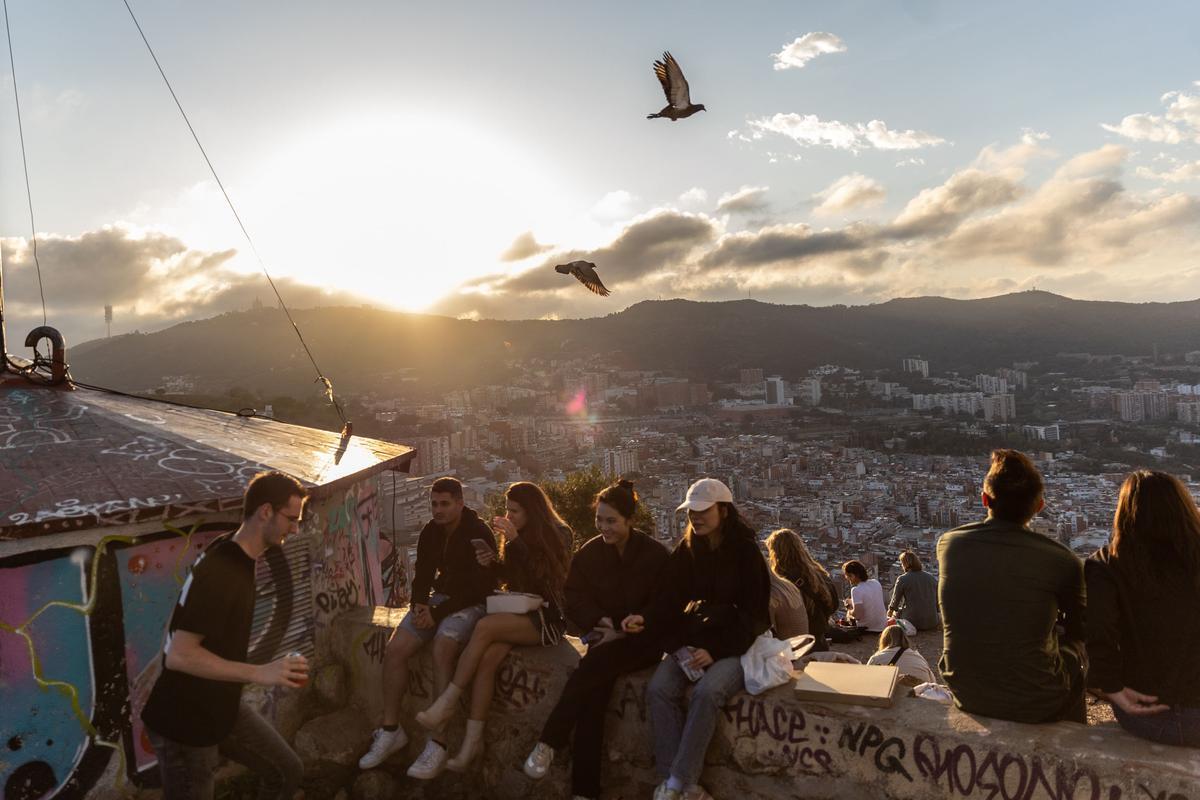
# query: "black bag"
{"points": [[842, 634]]}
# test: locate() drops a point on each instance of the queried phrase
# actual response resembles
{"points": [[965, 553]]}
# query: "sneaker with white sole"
{"points": [[539, 761], [664, 792], [696, 792], [384, 744], [430, 763]]}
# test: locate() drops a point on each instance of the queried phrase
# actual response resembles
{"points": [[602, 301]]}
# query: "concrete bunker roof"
{"points": [[72, 459]]}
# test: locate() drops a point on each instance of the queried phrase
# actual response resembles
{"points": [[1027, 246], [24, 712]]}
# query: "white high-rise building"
{"points": [[808, 391], [919, 365], [619, 461]]}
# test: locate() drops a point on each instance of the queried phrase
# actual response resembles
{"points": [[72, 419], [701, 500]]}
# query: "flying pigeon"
{"points": [[675, 87], [585, 273]]}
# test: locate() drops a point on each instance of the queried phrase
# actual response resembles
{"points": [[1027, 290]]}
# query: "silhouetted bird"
{"points": [[675, 87], [585, 272]]}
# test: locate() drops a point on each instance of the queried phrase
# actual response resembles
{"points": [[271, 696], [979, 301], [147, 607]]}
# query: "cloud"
{"points": [[940, 209], [1180, 122], [747, 199], [151, 279], [617, 204], [694, 196], [1014, 157], [523, 247], [1189, 171], [848, 192], [808, 130], [807, 47]]}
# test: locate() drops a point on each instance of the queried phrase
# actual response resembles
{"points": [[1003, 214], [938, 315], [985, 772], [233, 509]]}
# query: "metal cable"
{"points": [[24, 161], [327, 385]]}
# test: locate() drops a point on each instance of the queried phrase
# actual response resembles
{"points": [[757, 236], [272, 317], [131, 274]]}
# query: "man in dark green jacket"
{"points": [[1012, 604]]}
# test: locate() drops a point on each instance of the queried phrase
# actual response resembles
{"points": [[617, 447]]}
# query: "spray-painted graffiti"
{"points": [[354, 563], [794, 744], [519, 686], [72, 508]]}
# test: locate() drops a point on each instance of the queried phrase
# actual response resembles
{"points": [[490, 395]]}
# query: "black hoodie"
{"points": [[450, 566]]}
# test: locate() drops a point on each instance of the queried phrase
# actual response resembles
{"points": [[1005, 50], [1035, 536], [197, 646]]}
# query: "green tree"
{"points": [[572, 498]]}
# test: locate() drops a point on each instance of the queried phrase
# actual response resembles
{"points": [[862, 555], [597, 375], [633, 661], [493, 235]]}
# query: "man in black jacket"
{"points": [[449, 591]]}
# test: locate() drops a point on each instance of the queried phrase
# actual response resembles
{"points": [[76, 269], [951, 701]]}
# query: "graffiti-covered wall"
{"points": [[82, 625]]}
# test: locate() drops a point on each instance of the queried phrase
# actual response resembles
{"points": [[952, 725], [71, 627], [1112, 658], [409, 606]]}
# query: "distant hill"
{"points": [[364, 348]]}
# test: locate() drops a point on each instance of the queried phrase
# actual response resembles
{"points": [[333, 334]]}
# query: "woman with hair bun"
{"points": [[608, 590]]}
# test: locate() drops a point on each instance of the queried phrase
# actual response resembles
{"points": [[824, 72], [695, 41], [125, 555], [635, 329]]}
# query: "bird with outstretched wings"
{"points": [[585, 273], [675, 87]]}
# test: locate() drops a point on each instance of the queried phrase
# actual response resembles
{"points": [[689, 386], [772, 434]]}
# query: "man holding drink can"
{"points": [[195, 711]]}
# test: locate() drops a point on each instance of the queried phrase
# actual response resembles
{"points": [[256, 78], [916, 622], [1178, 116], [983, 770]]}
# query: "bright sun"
{"points": [[401, 209]]}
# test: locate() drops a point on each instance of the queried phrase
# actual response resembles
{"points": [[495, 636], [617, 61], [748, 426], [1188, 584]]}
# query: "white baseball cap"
{"points": [[702, 494]]}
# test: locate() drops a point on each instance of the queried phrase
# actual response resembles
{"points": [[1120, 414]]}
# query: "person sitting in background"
{"points": [[914, 597], [534, 558], [865, 605], [790, 558], [1143, 602], [1003, 591], [896, 650], [611, 583], [788, 616]]}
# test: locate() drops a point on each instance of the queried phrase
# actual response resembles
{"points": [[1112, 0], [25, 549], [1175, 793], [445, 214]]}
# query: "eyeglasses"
{"points": [[299, 518]]}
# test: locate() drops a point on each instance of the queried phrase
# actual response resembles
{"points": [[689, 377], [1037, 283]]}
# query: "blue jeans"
{"points": [[1180, 725], [681, 740], [187, 771]]}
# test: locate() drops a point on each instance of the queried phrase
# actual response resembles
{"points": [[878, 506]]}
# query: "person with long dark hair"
{"points": [[714, 602], [534, 556], [1143, 602], [790, 558], [610, 586]]}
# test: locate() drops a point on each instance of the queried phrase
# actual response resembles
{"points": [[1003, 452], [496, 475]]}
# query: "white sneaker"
{"points": [[384, 744], [430, 763], [696, 792], [539, 761], [663, 792]]}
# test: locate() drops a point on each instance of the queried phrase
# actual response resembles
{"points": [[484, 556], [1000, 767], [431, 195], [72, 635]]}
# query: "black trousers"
{"points": [[585, 699]]}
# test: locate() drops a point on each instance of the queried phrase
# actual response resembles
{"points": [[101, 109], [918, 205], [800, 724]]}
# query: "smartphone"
{"points": [[591, 637], [683, 657]]}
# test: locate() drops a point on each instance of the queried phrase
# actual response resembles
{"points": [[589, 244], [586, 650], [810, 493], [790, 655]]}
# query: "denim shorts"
{"points": [[458, 626]]}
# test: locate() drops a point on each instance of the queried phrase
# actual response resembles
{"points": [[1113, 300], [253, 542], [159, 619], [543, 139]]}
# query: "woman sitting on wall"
{"points": [[612, 580], [914, 597], [790, 558], [865, 605], [534, 553], [1143, 596], [714, 602]]}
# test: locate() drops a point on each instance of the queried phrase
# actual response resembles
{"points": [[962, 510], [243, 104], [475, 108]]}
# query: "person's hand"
{"points": [[504, 526], [421, 616], [291, 671], [605, 622], [701, 658], [1135, 703], [484, 556], [634, 623], [607, 634]]}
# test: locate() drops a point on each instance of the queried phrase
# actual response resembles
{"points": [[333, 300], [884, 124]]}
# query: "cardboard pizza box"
{"points": [[860, 684]]}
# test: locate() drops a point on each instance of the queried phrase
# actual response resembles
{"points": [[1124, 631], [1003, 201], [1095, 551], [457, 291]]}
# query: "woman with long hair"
{"points": [[788, 615], [1143, 591], [534, 555], [715, 600], [790, 558], [612, 581]]}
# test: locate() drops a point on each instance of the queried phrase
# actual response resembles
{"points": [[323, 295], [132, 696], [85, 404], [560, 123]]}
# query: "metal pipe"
{"points": [[58, 354]]}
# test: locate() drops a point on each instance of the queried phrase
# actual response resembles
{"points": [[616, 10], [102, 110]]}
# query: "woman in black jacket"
{"points": [[715, 601], [612, 581], [534, 554], [1143, 594]]}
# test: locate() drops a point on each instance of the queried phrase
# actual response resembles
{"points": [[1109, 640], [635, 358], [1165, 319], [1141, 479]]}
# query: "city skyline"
{"points": [[425, 162]]}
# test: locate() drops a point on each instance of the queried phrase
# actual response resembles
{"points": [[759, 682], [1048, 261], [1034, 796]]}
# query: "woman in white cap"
{"points": [[714, 601]]}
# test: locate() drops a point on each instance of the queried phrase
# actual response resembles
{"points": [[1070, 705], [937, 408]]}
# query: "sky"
{"points": [[444, 157]]}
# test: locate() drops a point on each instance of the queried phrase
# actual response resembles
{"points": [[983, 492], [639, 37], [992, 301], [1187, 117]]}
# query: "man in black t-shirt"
{"points": [[195, 711]]}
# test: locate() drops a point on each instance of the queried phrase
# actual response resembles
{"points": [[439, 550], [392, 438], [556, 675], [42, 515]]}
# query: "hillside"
{"points": [[361, 348]]}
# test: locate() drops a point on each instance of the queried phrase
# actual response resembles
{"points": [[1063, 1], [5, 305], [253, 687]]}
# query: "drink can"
{"points": [[297, 654], [683, 657]]}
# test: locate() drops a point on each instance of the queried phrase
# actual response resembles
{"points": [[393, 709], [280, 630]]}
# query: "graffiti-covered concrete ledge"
{"points": [[770, 746], [105, 502]]}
